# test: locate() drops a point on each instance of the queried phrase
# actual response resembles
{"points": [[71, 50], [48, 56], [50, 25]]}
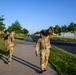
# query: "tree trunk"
{"points": [[63, 34], [74, 35]]}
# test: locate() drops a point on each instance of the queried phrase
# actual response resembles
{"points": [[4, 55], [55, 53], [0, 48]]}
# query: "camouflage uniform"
{"points": [[9, 42], [43, 44]]}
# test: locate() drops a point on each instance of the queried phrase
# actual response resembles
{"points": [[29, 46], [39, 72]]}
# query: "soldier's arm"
{"points": [[37, 47], [12, 38]]}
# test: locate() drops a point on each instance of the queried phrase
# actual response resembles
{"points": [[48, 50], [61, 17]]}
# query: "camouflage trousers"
{"points": [[10, 52], [44, 56]]}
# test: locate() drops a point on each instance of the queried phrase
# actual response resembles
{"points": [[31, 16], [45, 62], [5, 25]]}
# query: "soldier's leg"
{"points": [[7, 53], [46, 57], [10, 54], [42, 60]]}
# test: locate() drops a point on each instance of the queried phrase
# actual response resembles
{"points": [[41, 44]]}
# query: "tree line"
{"points": [[16, 26], [62, 29]]}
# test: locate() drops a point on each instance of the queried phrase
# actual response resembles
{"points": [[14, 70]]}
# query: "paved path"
{"points": [[24, 61]]}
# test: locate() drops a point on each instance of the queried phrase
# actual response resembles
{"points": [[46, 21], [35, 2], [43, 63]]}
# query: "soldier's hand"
{"points": [[36, 54], [51, 31]]}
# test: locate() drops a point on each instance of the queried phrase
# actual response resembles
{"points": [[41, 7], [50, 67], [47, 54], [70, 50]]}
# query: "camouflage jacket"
{"points": [[9, 41], [43, 43]]}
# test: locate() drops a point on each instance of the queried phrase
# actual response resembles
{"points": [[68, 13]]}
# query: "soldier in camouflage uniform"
{"points": [[9, 42], [43, 45]]}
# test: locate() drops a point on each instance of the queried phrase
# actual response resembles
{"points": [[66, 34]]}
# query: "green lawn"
{"points": [[64, 38], [2, 49], [19, 35], [63, 62]]}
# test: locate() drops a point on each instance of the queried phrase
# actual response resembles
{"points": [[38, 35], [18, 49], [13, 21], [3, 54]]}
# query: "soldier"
{"points": [[43, 45], [9, 42]]}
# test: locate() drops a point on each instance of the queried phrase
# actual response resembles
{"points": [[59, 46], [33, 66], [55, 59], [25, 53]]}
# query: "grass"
{"points": [[2, 49], [64, 38], [64, 62], [20, 36]]}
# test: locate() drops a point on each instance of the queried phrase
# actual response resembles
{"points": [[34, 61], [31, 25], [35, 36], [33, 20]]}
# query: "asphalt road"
{"points": [[66, 45], [69, 46]]}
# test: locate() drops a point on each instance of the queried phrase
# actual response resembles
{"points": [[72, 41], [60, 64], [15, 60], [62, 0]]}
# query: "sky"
{"points": [[35, 15]]}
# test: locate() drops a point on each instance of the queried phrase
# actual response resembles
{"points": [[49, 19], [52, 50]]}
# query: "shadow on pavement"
{"points": [[2, 52], [4, 59], [24, 62]]}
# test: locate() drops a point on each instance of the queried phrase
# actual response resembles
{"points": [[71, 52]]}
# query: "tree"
{"points": [[38, 32], [72, 28], [64, 29], [24, 31], [57, 30], [2, 25], [15, 27]]}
